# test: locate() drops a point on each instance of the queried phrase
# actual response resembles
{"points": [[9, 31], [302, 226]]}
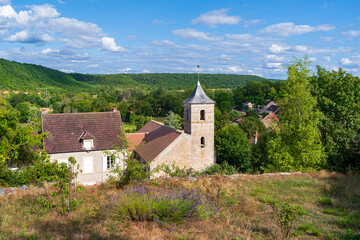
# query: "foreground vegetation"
{"points": [[330, 204]]}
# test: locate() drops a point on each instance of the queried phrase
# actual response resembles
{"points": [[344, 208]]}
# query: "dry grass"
{"points": [[332, 203]]}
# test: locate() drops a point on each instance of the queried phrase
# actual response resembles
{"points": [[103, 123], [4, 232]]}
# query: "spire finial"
{"points": [[198, 67]]}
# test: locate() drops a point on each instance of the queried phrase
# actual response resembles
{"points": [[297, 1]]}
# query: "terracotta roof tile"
{"points": [[65, 130], [157, 138], [134, 139]]}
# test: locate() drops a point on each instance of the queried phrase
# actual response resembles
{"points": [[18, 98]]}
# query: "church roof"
{"points": [[157, 138], [198, 96]]}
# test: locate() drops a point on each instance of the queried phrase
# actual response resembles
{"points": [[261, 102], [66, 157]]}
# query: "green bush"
{"points": [[223, 169], [40, 171]]}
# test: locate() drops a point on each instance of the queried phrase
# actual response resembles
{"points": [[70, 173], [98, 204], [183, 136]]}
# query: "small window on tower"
{"points": [[187, 114], [202, 115], [202, 142]]}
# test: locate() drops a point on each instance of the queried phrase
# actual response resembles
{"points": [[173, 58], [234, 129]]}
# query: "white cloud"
{"points": [[193, 34], [312, 59], [7, 12], [49, 51], [93, 65], [242, 37], [4, 2], [29, 37], [275, 48], [235, 69], [274, 65], [274, 58], [67, 70], [352, 33], [125, 69], [145, 71], [110, 45], [38, 22], [216, 17], [253, 22], [163, 43], [300, 48], [290, 29], [72, 27], [345, 61]]}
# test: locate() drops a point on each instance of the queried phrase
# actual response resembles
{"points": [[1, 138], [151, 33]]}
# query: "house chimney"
{"points": [[114, 109]]}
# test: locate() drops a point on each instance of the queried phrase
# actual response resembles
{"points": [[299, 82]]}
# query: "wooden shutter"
{"points": [[88, 165]]}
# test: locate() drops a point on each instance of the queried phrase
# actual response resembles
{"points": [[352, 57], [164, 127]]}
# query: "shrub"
{"points": [[350, 235], [286, 216], [38, 172], [160, 205], [224, 169]]}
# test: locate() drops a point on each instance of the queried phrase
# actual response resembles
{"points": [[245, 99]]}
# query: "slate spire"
{"points": [[198, 96]]}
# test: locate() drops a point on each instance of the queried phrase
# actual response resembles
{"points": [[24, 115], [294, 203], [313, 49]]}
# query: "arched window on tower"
{"points": [[202, 115], [202, 142]]}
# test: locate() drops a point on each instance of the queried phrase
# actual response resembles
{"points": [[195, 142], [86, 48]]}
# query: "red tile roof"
{"points": [[134, 139], [67, 130], [269, 119], [158, 137]]}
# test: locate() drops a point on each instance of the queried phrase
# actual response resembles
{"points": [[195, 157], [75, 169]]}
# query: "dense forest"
{"points": [[26, 77]]}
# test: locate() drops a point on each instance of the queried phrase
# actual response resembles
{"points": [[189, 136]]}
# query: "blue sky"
{"points": [[141, 36]]}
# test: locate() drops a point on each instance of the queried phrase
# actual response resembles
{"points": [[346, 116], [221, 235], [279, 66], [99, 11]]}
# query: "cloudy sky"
{"points": [[141, 36]]}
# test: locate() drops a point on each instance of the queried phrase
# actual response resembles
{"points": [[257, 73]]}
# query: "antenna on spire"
{"points": [[198, 67]]}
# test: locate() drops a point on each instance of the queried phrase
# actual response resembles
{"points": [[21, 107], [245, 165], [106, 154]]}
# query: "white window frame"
{"points": [[88, 144]]}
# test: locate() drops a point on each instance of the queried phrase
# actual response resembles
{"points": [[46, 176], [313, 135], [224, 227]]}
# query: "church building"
{"points": [[88, 136]]}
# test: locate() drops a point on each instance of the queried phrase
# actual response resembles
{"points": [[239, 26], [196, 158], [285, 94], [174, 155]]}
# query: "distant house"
{"points": [[254, 139], [270, 121], [267, 104], [249, 105], [87, 137], [270, 106]]}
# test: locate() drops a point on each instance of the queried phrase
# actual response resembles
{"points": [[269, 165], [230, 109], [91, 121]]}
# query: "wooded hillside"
{"points": [[25, 77]]}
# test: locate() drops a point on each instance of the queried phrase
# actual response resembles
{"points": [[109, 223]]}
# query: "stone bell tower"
{"points": [[199, 124]]}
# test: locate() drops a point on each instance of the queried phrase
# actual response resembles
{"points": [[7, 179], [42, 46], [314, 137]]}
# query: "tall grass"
{"points": [[160, 205]]}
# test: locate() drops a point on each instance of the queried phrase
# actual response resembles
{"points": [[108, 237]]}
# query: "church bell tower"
{"points": [[199, 124]]}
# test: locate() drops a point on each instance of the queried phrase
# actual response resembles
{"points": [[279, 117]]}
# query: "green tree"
{"points": [[223, 101], [338, 97], [251, 125], [232, 146], [298, 145], [16, 140], [173, 120]]}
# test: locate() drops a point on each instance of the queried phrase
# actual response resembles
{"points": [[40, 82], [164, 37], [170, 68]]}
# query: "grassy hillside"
{"points": [[21, 76], [330, 203]]}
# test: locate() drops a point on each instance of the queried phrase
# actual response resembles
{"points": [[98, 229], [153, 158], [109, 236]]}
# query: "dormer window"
{"points": [[202, 115], [88, 144], [87, 140]]}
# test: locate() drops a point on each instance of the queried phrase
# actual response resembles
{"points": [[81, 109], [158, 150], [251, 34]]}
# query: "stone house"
{"points": [[87, 137]]}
